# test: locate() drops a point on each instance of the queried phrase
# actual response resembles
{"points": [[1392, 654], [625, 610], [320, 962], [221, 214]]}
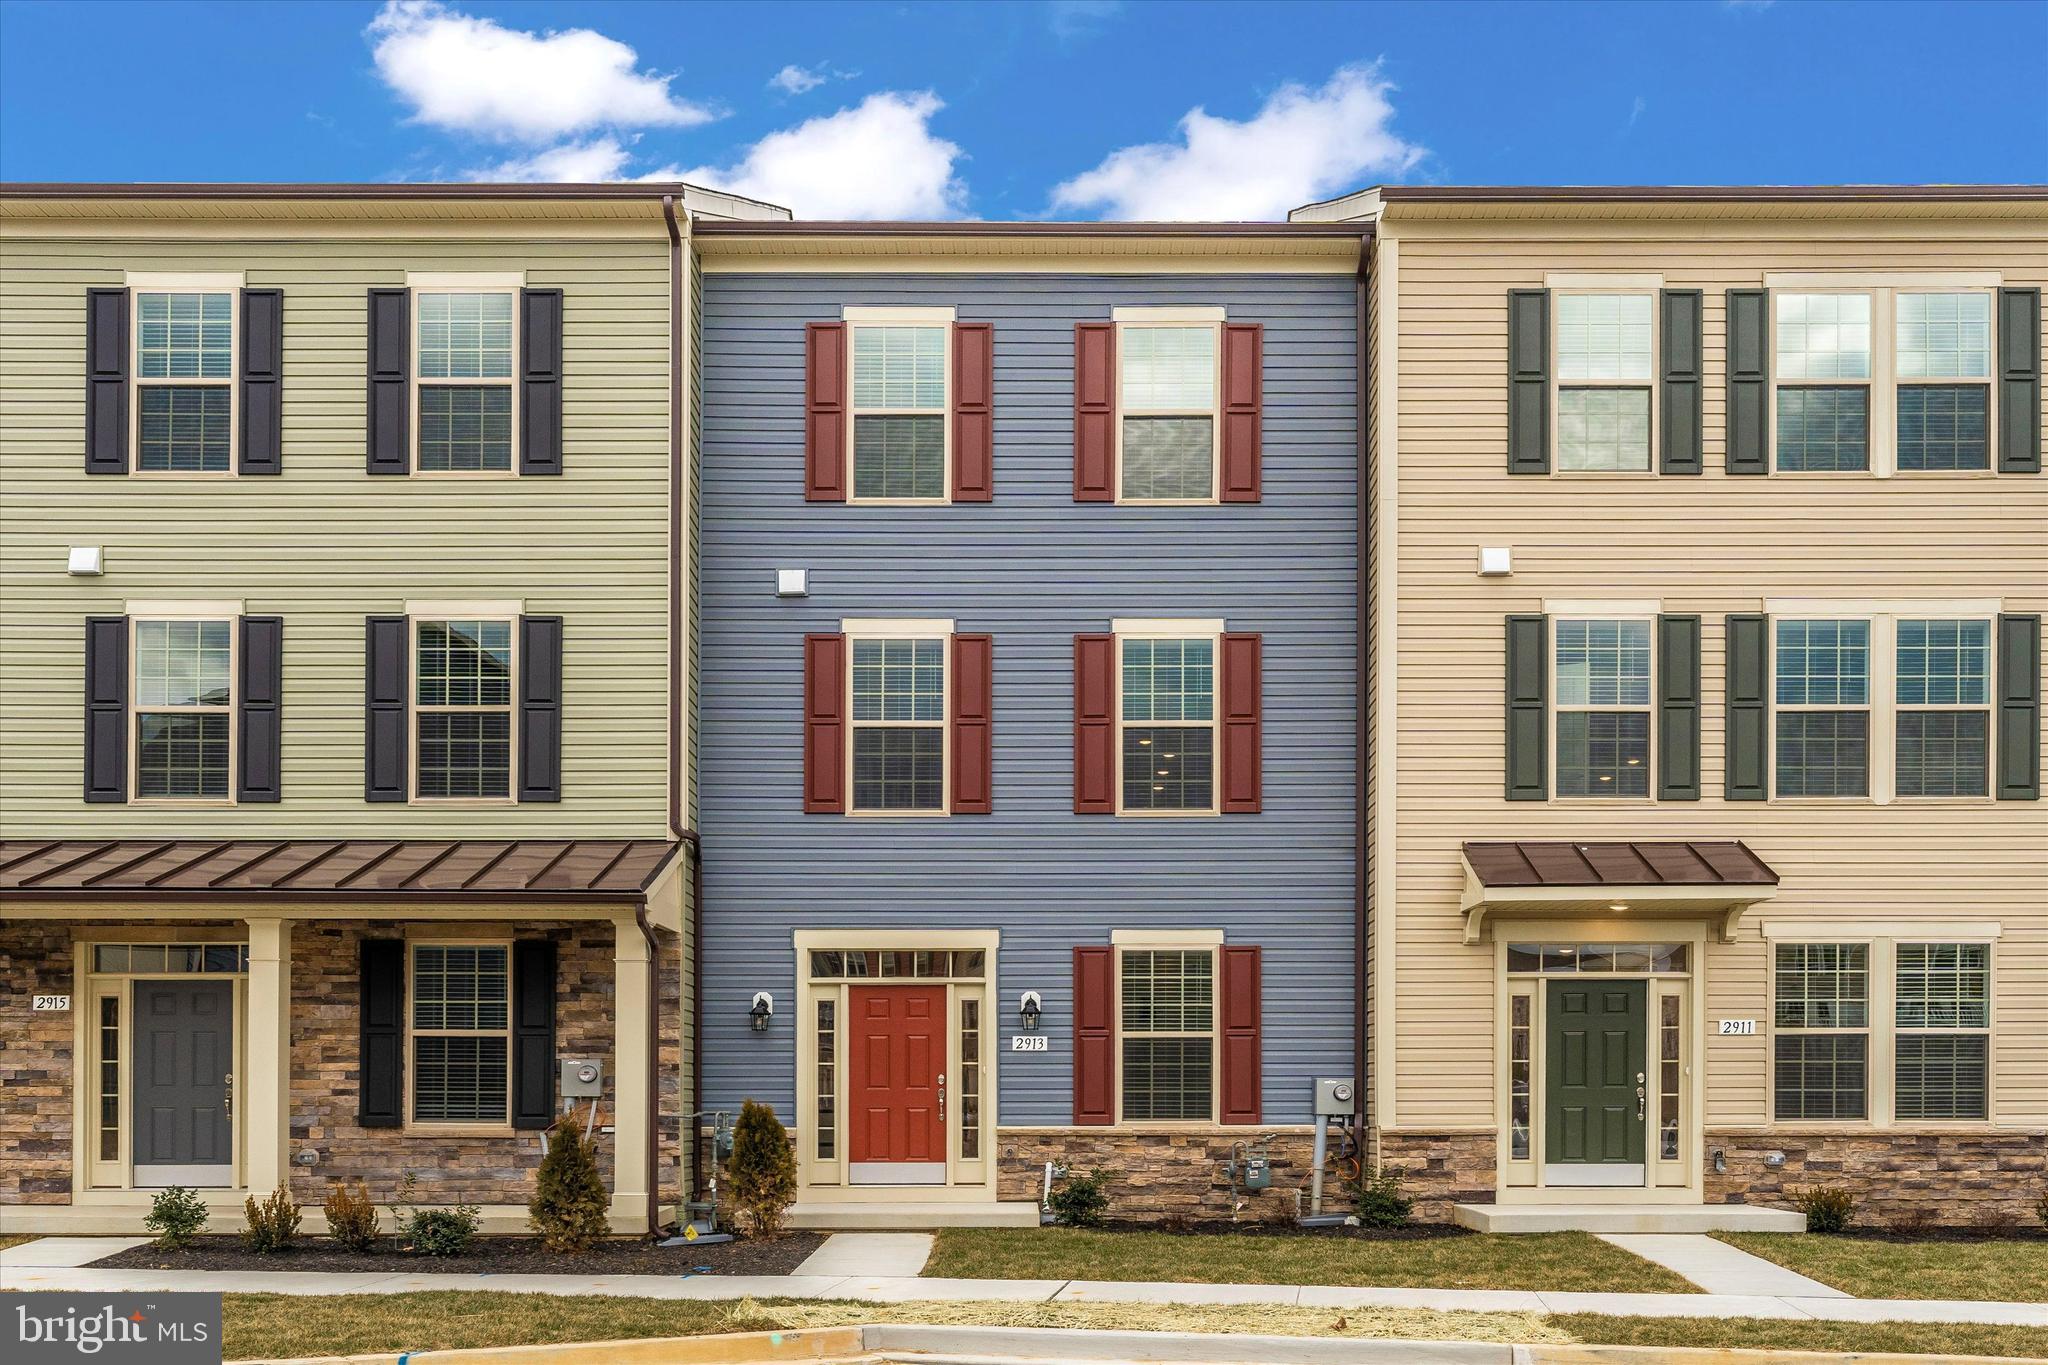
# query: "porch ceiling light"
{"points": [[764, 1008], [1619, 907]]}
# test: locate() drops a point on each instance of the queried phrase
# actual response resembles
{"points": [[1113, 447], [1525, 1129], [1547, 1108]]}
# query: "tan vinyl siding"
{"points": [[325, 544], [1712, 545]]}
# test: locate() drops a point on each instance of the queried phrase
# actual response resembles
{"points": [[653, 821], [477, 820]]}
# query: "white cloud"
{"points": [[1079, 18], [601, 158], [475, 76], [1302, 145], [878, 159], [795, 80]]}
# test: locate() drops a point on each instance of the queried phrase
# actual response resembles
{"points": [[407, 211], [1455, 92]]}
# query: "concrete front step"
{"points": [[1638, 1218], [910, 1216]]}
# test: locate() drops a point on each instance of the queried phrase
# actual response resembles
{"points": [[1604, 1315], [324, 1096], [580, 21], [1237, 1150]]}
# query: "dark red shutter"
{"points": [[1094, 412], [1094, 1035], [1239, 967], [825, 412], [1094, 725], [974, 372], [973, 724], [1244, 349], [1242, 725], [824, 724]]}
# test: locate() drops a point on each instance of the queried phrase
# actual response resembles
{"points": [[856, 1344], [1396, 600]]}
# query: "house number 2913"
{"points": [[1733, 1028], [1027, 1042]]}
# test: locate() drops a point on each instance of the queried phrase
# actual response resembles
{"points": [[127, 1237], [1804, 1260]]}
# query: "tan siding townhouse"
{"points": [[341, 721], [1710, 553]]}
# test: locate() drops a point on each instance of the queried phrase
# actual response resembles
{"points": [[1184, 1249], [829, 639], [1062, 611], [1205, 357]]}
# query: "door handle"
{"points": [[942, 1097], [228, 1095], [1640, 1078]]}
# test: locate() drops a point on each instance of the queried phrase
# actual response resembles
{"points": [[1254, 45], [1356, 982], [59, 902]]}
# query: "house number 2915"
{"points": [[1732, 1028], [57, 1003]]}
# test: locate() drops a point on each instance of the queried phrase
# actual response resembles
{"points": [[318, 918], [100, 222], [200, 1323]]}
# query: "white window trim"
{"points": [[1635, 286], [1603, 282], [1165, 628], [412, 1032], [1169, 942], [413, 706], [1558, 708], [140, 284], [1986, 1031], [183, 611], [505, 283], [934, 319], [1125, 320], [466, 281], [907, 628], [1877, 1000]]}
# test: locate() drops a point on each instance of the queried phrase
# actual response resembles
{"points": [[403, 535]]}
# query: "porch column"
{"points": [[265, 1091], [631, 1102]]}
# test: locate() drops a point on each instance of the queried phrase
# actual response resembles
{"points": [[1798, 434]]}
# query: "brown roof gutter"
{"points": [[1761, 194], [57, 189]]}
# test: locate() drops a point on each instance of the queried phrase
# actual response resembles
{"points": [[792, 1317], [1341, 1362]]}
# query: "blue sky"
{"points": [[1080, 108]]}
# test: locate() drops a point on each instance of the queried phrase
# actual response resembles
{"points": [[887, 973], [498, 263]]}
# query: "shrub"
{"points": [[1912, 1220], [1381, 1203], [442, 1232], [762, 1168], [569, 1203], [351, 1217], [1081, 1201], [1826, 1210], [176, 1216], [272, 1224], [2041, 1206]]}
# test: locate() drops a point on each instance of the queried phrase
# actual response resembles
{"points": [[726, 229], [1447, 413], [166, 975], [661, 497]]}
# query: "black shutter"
{"points": [[2019, 381], [259, 768], [388, 416], [262, 386], [540, 393], [1749, 382], [1678, 708], [386, 666], [540, 708], [1528, 709], [380, 1032], [106, 708], [106, 381], [1748, 687], [2019, 708], [1528, 381], [533, 1033], [1680, 424]]}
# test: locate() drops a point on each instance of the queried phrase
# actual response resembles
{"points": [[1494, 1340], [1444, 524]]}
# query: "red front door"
{"points": [[897, 1086]]}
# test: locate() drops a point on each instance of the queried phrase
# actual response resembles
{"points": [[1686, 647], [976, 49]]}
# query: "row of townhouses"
{"points": [[1547, 681]]}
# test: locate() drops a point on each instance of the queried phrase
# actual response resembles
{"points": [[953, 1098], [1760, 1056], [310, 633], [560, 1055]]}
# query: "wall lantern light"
{"points": [[764, 1007], [1028, 1011]]}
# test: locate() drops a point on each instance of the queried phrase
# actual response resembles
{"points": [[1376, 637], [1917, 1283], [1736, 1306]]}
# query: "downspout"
{"points": [[1363, 790]]}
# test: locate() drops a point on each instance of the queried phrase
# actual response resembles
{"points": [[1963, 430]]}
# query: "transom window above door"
{"points": [[1166, 404], [185, 381], [900, 405], [465, 354], [1605, 360], [184, 710]]}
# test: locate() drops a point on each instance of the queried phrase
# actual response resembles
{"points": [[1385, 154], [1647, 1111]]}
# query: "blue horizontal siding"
{"points": [[1032, 568]]}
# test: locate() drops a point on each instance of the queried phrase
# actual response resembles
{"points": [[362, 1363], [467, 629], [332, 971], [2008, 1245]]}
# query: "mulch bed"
{"points": [[1412, 1232], [486, 1256]]}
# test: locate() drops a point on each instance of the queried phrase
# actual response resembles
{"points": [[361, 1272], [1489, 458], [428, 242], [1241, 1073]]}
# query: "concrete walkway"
{"points": [[1720, 1268], [869, 1253]]}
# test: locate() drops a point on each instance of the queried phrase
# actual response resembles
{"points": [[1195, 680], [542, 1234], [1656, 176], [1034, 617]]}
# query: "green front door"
{"points": [[1595, 1063]]}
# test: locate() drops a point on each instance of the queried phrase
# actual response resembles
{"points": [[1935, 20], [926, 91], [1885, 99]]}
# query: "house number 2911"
{"points": [[58, 1003], [1733, 1028]]}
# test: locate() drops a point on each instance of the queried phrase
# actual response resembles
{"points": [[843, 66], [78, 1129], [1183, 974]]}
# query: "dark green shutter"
{"points": [[1748, 687], [533, 1033], [1528, 381], [1678, 708], [380, 1033], [1528, 709], [1679, 426], [2019, 381], [1749, 382], [2019, 708]]}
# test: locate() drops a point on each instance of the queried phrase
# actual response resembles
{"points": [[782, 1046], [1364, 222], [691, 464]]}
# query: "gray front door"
{"points": [[183, 1063]]}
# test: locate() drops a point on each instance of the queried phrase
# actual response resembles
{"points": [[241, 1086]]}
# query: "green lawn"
{"points": [[1945, 1339], [1558, 1260], [15, 1239], [2015, 1271]]}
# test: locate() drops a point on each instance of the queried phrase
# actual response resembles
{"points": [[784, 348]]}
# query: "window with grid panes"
{"points": [[465, 381], [1821, 1030], [899, 411], [1167, 408], [1822, 710], [899, 725], [1603, 708], [1168, 743], [461, 1033], [1167, 1026], [463, 714], [1941, 1053], [1943, 717], [1823, 377], [1943, 372], [1603, 372], [184, 709], [184, 381]]}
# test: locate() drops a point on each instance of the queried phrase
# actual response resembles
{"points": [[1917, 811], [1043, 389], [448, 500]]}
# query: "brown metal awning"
{"points": [[1673, 878], [533, 871]]}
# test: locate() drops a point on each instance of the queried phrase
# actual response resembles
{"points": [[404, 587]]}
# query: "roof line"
{"points": [[1682, 193], [651, 191], [734, 227]]}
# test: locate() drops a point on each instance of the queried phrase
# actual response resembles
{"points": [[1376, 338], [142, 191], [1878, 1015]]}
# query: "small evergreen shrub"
{"points": [[1381, 1203], [1081, 1201], [351, 1217], [569, 1202], [1827, 1210], [762, 1168], [272, 1224], [176, 1216], [442, 1232]]}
